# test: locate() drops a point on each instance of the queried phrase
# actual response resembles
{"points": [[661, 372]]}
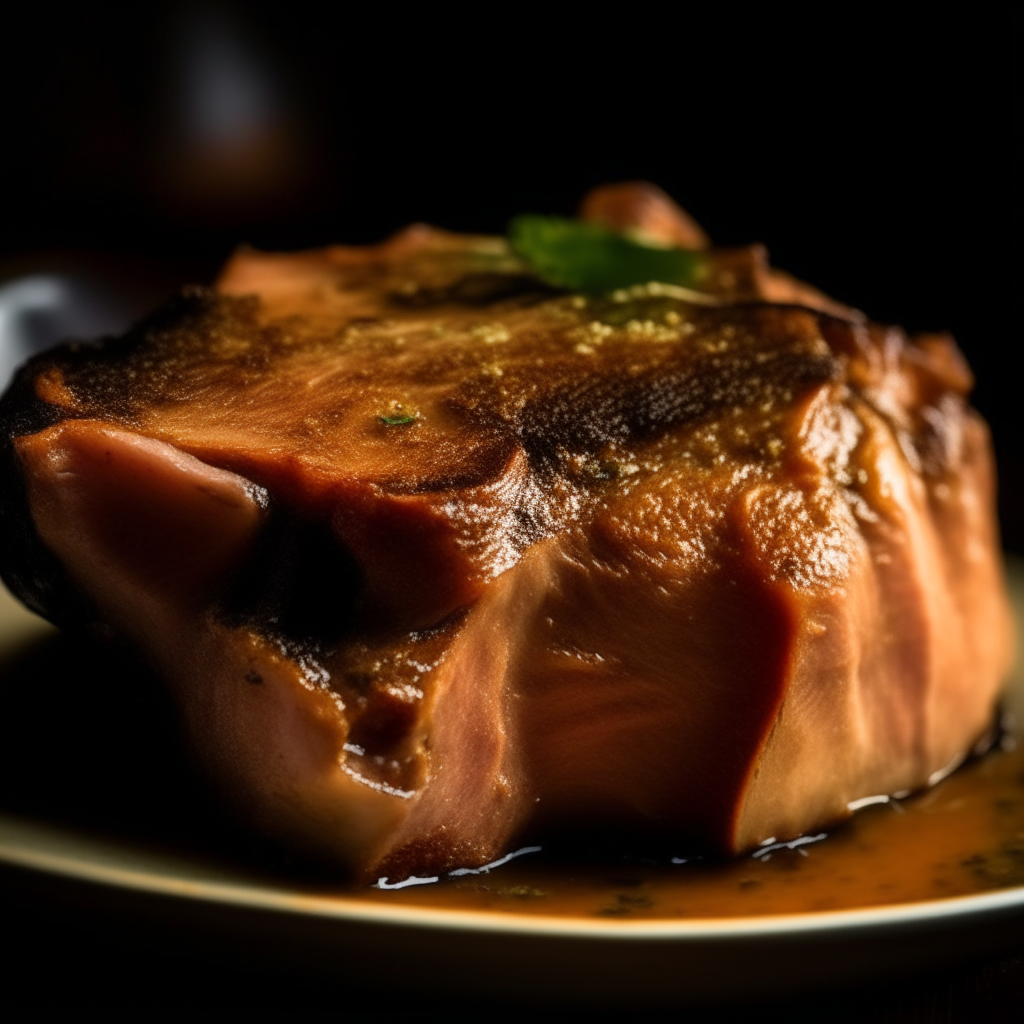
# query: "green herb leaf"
{"points": [[587, 257], [397, 421]]}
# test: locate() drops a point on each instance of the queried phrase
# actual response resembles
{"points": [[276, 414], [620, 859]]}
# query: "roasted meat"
{"points": [[432, 554]]}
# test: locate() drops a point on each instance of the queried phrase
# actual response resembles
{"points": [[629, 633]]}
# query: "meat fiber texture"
{"points": [[432, 556]]}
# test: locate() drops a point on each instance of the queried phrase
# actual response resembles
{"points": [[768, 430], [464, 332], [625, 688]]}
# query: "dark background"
{"points": [[878, 158]]}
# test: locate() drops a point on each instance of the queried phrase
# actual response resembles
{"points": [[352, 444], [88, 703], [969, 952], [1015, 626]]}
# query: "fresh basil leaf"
{"points": [[587, 257]]}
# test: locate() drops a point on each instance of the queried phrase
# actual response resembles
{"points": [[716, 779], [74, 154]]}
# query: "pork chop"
{"points": [[431, 553]]}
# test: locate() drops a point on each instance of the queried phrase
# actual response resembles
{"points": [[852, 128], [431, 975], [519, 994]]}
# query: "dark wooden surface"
{"points": [[72, 953]]}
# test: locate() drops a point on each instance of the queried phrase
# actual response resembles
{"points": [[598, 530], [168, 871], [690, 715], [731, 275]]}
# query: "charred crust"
{"points": [[593, 414], [31, 571], [157, 360]]}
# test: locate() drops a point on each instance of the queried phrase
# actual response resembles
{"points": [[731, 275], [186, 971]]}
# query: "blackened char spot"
{"points": [[28, 567], [585, 416], [300, 584], [171, 355]]}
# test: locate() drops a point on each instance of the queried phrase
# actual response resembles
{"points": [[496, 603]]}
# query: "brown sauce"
{"points": [[962, 837]]}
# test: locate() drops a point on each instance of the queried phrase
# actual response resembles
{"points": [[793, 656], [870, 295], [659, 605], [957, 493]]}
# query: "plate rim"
{"points": [[352, 910]]}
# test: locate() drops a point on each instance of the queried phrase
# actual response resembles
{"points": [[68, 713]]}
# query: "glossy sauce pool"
{"points": [[963, 836]]}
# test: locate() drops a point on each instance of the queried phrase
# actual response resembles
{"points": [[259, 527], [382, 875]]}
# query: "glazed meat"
{"points": [[432, 554]]}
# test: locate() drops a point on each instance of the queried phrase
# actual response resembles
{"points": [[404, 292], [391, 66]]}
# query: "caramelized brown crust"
{"points": [[431, 554]]}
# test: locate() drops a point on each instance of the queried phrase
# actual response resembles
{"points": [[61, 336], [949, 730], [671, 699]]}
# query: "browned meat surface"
{"points": [[431, 555]]}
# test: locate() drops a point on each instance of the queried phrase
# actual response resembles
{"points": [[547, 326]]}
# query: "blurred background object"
{"points": [[229, 146], [40, 310], [879, 159]]}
